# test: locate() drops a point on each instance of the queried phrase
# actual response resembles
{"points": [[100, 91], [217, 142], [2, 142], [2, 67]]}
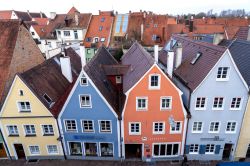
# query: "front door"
{"points": [[133, 151], [227, 151], [2, 151], [19, 151]]}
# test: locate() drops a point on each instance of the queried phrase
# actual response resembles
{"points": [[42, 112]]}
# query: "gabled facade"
{"points": [[153, 118], [208, 78], [28, 116], [89, 119]]}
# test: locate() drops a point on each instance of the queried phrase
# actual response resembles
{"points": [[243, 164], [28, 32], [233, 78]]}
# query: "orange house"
{"points": [[153, 119]]}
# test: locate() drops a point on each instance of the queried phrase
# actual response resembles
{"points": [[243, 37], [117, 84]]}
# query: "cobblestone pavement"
{"points": [[96, 163]]}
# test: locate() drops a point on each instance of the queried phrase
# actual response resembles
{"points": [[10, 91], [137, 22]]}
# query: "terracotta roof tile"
{"points": [[6, 14], [72, 10]]}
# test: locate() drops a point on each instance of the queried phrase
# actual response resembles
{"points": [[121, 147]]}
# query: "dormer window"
{"points": [[66, 33], [47, 98], [118, 79], [84, 81], [154, 81], [198, 55], [222, 74]]}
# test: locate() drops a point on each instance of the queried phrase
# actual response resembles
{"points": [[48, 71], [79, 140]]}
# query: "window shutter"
{"points": [[202, 149], [187, 149], [217, 149]]}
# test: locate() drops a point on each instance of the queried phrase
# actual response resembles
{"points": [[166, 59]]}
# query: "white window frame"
{"points": [[12, 134], [80, 101], [166, 143], [106, 132], [50, 133], [214, 127], [195, 131], [118, 79], [218, 108], [64, 32], [223, 79], [39, 152], [146, 103], [32, 134], [65, 126], [231, 132], [23, 110], [241, 100], [90, 142], [82, 147], [93, 131], [134, 133], [210, 149], [52, 152], [205, 104], [159, 82], [83, 77], [163, 127], [176, 132], [88, 51], [194, 147], [170, 104], [100, 150]]}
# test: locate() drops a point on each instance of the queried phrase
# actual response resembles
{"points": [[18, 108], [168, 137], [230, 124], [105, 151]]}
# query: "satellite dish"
{"points": [[171, 121]]}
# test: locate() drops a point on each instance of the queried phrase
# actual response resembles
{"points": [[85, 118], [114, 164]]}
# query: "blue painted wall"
{"points": [[99, 111]]}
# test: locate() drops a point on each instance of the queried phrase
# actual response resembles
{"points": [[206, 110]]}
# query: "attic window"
{"points": [[21, 93], [196, 58], [47, 98], [84, 81], [118, 79]]}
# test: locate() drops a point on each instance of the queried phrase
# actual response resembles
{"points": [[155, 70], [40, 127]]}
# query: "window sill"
{"points": [[217, 109], [33, 135], [230, 132], [210, 132], [105, 132], [222, 80], [179, 132], [142, 110], [12, 135], [166, 109], [196, 132], [199, 109], [48, 134], [235, 109], [135, 134]]}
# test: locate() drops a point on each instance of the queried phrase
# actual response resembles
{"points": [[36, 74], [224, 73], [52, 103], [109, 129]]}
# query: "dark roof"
{"points": [[47, 78], [163, 57], [240, 51], [83, 21], [242, 33], [115, 69], [193, 74], [140, 62], [37, 15], [96, 73], [23, 16]]}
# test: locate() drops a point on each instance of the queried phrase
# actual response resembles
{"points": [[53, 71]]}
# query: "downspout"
{"points": [[5, 145], [60, 139]]}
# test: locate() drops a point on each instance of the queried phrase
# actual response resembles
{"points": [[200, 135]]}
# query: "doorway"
{"points": [[3, 153], [133, 151], [19, 151], [227, 151]]}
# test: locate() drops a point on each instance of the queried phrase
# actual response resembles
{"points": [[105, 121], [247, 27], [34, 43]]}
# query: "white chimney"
{"points": [[83, 55], [141, 32], [170, 63], [52, 15], [156, 49], [77, 18], [46, 51], [66, 68], [178, 58]]}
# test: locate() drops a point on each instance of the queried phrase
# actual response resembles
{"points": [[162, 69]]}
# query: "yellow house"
{"points": [[28, 116]]}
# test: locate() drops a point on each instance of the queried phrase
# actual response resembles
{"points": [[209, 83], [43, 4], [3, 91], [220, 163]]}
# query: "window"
{"points": [[24, 106], [197, 127], [141, 103], [88, 51], [30, 130], [166, 103], [154, 82], [102, 19], [96, 39], [102, 39], [84, 81], [66, 33], [118, 79], [90, 149], [162, 150], [47, 98], [48, 130], [88, 39], [52, 149], [106, 149], [153, 37], [34, 150], [231, 127], [248, 152], [222, 73], [194, 60], [105, 126], [76, 34], [194, 149], [95, 50], [135, 128], [155, 25], [210, 149], [100, 28], [49, 44], [214, 127], [88, 125], [200, 103], [20, 92], [13, 131], [176, 128], [159, 128], [235, 103], [218, 103], [75, 148], [85, 101], [59, 33], [32, 33], [70, 125]]}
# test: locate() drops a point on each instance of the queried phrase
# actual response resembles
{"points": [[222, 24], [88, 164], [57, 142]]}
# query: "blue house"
{"points": [[89, 119]]}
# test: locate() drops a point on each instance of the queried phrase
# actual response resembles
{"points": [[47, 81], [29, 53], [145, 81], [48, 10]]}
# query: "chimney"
{"points": [[82, 55], [77, 18], [144, 14], [156, 49], [142, 32], [41, 14], [46, 50], [178, 58], [248, 36], [66, 67], [170, 63], [191, 25], [52, 15]]}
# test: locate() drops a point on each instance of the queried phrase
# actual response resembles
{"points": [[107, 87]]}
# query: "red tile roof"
{"points": [[41, 21], [73, 10], [5, 14]]}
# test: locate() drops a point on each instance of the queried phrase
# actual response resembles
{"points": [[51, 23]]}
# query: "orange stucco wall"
{"points": [[153, 113]]}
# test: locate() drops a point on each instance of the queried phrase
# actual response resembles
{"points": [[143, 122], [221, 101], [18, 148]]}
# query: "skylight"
{"points": [[198, 55]]}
